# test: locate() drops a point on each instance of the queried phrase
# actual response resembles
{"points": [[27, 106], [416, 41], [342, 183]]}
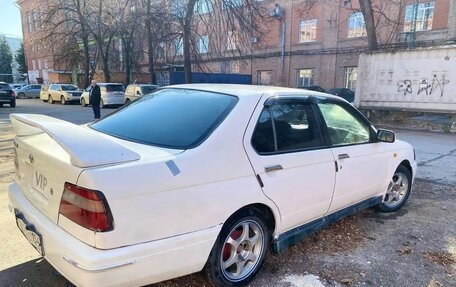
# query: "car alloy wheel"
{"points": [[83, 102], [62, 100], [239, 251], [101, 104], [21, 96], [398, 190], [242, 250], [50, 100]]}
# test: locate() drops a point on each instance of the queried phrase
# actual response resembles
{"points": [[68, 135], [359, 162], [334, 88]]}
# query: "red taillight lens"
{"points": [[12, 93], [86, 207]]}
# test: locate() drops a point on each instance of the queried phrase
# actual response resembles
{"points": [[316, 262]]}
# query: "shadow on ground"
{"points": [[31, 274]]}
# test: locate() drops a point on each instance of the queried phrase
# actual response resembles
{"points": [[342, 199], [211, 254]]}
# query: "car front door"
{"points": [[362, 161], [285, 146]]}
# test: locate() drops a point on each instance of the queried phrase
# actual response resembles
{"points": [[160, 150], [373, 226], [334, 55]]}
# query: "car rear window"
{"points": [[114, 88], [171, 118], [69, 88], [5, 87], [148, 89]]}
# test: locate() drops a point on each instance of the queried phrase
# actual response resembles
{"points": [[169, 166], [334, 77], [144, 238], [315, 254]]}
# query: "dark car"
{"points": [[344, 93], [314, 88], [7, 95]]}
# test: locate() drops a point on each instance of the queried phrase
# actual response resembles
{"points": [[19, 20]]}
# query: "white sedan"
{"points": [[197, 177]]}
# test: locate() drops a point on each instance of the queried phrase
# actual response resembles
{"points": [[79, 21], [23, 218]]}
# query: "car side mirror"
{"points": [[386, 136]]}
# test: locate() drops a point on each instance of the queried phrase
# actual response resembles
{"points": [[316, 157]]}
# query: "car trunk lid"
{"points": [[50, 152]]}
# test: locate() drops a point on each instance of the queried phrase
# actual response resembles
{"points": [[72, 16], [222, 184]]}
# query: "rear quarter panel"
{"points": [[149, 202]]}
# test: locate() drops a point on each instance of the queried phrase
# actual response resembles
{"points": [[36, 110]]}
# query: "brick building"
{"points": [[316, 46], [321, 45]]}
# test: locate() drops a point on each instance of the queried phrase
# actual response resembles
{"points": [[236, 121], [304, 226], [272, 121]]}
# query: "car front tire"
{"points": [[50, 100], [239, 251], [21, 96], [398, 190], [63, 101], [102, 105]]}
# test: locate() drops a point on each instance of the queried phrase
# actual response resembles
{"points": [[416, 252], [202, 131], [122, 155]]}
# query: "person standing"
{"points": [[95, 98]]}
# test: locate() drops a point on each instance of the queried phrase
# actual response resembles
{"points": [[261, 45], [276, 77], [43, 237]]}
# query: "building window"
{"points": [[179, 46], [29, 22], [356, 25], [424, 16], [308, 31], [203, 7], [305, 78], [351, 74], [178, 8], [232, 40], [46, 64], [264, 77], [36, 20], [203, 44], [227, 4], [235, 67]]}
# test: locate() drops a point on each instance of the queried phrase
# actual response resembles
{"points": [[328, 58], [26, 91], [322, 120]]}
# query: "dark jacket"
{"points": [[95, 95]]}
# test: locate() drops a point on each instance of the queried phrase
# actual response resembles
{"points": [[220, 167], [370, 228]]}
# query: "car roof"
{"points": [[251, 90]]}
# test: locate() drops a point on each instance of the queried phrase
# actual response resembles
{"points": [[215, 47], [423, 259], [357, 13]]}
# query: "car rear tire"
{"points": [[13, 103], [398, 190], [50, 100], [62, 100], [239, 251], [21, 96]]}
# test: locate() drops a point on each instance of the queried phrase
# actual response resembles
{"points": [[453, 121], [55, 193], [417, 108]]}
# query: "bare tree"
{"points": [[64, 28], [222, 21], [368, 13]]}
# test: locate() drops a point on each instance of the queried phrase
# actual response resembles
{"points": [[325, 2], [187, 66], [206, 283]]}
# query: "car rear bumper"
{"points": [[134, 265], [7, 100], [113, 101]]}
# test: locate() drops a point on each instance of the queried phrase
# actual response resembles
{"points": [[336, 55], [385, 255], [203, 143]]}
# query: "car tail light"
{"points": [[12, 93], [86, 207]]}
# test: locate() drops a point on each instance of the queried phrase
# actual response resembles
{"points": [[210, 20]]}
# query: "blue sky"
{"points": [[10, 18]]}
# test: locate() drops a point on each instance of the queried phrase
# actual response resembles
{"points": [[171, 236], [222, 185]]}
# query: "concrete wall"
{"points": [[415, 80]]}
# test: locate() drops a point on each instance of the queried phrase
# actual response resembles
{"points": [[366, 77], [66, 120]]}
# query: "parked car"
{"points": [[134, 91], [193, 177], [44, 94], [344, 93], [112, 94], [314, 88], [65, 93], [16, 86], [29, 91], [7, 95]]}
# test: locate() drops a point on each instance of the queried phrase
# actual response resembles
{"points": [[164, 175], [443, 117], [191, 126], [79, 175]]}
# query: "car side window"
{"points": [[263, 136], [288, 125], [343, 127]]}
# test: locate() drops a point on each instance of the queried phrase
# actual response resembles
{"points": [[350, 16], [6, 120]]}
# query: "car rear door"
{"points": [[362, 162], [285, 146]]}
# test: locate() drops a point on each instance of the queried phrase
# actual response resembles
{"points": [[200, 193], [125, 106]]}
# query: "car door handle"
{"points": [[343, 156], [273, 167]]}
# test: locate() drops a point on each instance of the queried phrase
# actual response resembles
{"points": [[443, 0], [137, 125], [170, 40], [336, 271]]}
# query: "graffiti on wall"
{"points": [[425, 86]]}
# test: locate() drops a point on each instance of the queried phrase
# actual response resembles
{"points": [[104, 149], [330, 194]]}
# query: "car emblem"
{"points": [[31, 158]]}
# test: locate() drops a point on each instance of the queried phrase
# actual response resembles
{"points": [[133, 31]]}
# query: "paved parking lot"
{"points": [[413, 247]]}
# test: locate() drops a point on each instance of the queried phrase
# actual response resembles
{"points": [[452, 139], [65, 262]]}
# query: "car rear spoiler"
{"points": [[86, 147]]}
